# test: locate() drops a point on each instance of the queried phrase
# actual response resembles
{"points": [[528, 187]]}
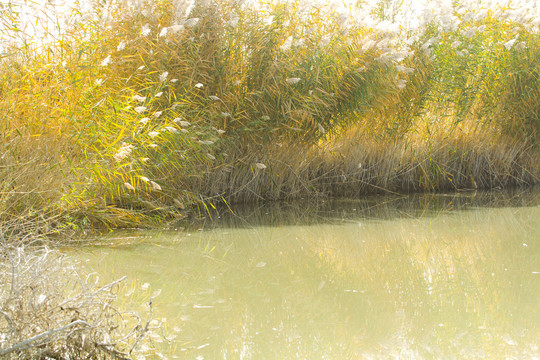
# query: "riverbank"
{"points": [[345, 167], [51, 309]]}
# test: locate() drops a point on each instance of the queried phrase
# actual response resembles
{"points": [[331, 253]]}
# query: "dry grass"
{"points": [[354, 165], [48, 309]]}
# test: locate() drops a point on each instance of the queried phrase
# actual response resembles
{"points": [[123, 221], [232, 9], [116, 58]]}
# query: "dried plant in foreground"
{"points": [[49, 311]]}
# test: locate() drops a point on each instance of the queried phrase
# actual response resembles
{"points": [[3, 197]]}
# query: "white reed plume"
{"points": [[106, 61], [155, 186], [368, 44], [139, 98], [401, 84], [267, 20], [124, 151], [292, 81], [140, 109], [121, 46], [508, 45], [145, 31], [469, 33], [181, 122], [191, 22], [175, 29], [171, 129], [343, 20], [233, 21], [404, 69], [163, 76], [183, 8], [412, 40], [287, 44]]}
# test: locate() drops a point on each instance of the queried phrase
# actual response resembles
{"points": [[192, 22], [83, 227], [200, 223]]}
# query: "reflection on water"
{"points": [[421, 277], [373, 207]]}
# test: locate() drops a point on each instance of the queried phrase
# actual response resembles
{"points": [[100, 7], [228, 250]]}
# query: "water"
{"points": [[416, 277]]}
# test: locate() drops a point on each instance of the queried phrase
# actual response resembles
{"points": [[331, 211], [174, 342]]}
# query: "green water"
{"points": [[411, 277]]}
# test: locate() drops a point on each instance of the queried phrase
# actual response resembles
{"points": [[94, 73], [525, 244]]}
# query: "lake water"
{"points": [[387, 277]]}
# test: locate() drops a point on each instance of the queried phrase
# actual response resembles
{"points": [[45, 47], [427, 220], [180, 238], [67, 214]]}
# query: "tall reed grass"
{"points": [[139, 110]]}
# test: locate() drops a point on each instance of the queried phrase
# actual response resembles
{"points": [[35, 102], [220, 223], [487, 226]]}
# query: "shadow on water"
{"points": [[416, 277]]}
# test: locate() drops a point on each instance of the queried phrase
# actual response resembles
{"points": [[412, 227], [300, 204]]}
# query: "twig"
{"points": [[11, 324], [144, 330], [114, 353], [28, 343], [94, 293]]}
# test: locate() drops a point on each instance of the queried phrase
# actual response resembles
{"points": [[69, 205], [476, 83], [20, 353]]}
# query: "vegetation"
{"points": [[50, 310], [142, 110]]}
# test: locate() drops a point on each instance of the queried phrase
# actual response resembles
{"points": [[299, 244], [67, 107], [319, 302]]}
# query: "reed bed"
{"points": [[352, 167], [137, 111]]}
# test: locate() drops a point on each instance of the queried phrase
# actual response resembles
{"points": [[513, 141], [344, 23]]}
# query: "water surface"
{"points": [[404, 277]]}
